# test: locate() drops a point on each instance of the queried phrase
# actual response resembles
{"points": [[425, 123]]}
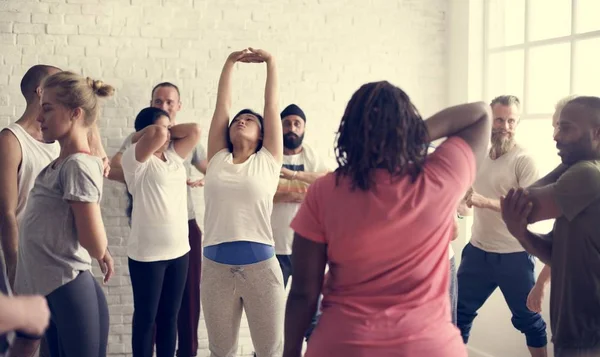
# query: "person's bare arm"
{"points": [[10, 159], [95, 142], [463, 209], [289, 197], [474, 199], [536, 295], [544, 278], [185, 137], [516, 207], [455, 229], [471, 122], [148, 140], [28, 314], [309, 261], [304, 176], [217, 133], [90, 228], [116, 170], [538, 245], [273, 136], [544, 205], [97, 149], [201, 166]]}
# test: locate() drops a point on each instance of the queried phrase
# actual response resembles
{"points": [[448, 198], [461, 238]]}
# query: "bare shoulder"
{"points": [[10, 149]]}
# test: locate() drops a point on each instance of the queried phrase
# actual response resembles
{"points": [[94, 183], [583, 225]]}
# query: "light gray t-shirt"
{"points": [[198, 154], [49, 251]]}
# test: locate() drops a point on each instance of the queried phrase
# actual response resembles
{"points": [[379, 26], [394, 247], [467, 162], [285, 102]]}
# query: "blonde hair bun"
{"points": [[100, 88]]}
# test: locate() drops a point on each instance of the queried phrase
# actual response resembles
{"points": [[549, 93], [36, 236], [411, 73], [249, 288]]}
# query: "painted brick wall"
{"points": [[325, 49]]}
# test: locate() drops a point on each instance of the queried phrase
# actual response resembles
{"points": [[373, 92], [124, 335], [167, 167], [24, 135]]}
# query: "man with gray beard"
{"points": [[494, 258]]}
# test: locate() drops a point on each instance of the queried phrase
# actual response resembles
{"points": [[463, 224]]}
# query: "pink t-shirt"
{"points": [[386, 293]]}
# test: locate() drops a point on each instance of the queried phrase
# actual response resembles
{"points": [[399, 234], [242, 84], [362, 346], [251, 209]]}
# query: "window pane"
{"points": [[548, 19], [587, 68], [535, 135], [549, 77], [587, 16], [506, 22], [505, 74]]}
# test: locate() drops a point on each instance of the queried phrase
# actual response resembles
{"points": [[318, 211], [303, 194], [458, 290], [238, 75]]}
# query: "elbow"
{"points": [[158, 133], [8, 223], [195, 131], [484, 111], [7, 219]]}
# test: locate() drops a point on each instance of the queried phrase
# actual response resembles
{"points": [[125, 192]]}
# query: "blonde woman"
{"points": [[62, 228]]}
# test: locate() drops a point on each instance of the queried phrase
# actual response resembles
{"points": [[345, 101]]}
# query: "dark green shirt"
{"points": [[575, 281]]}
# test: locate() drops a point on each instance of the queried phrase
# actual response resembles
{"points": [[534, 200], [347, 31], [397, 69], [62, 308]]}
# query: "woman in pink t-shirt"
{"points": [[383, 222]]}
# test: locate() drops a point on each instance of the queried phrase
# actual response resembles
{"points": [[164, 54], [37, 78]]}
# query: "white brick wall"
{"points": [[325, 51]]}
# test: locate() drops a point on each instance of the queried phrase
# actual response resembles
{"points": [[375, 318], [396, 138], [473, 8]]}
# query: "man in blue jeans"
{"points": [[494, 258]]}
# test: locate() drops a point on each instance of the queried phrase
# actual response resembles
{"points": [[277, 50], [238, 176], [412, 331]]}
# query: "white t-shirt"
{"points": [[197, 155], [516, 168], [159, 221], [284, 212], [35, 156], [239, 198]]}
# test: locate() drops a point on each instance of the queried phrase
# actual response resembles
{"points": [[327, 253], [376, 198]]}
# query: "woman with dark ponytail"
{"points": [[158, 242]]}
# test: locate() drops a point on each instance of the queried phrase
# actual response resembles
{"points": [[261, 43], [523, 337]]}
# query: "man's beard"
{"points": [[501, 144], [292, 141]]}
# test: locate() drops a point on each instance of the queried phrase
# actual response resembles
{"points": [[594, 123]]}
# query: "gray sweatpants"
{"points": [[257, 289]]}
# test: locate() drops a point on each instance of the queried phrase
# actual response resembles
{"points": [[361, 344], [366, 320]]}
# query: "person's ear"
{"points": [[76, 114]]}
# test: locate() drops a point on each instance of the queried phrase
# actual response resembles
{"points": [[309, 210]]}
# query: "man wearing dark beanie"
{"points": [[301, 167]]}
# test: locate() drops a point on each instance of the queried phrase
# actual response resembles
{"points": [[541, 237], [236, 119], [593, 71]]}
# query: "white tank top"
{"points": [[35, 157]]}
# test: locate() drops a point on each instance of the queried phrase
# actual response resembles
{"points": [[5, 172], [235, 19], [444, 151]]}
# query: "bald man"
{"points": [[571, 195]]}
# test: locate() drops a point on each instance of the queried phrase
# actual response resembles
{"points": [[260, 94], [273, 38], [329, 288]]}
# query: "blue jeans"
{"points": [[285, 262], [453, 289], [480, 273]]}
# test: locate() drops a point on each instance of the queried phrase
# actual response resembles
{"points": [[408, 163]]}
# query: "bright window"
{"points": [[541, 51]]}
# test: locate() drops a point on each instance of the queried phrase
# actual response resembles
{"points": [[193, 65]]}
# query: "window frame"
{"points": [[526, 46]]}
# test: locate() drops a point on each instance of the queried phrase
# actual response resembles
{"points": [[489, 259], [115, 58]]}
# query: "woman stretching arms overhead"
{"points": [[240, 270]]}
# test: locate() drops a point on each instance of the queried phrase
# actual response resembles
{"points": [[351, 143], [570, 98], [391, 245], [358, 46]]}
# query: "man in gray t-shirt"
{"points": [[166, 97]]}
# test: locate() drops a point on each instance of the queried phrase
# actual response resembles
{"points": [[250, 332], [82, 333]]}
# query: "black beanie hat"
{"points": [[293, 109]]}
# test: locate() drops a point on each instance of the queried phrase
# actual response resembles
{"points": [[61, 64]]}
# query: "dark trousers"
{"points": [[480, 273], [189, 313], [157, 293], [285, 262], [79, 319]]}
